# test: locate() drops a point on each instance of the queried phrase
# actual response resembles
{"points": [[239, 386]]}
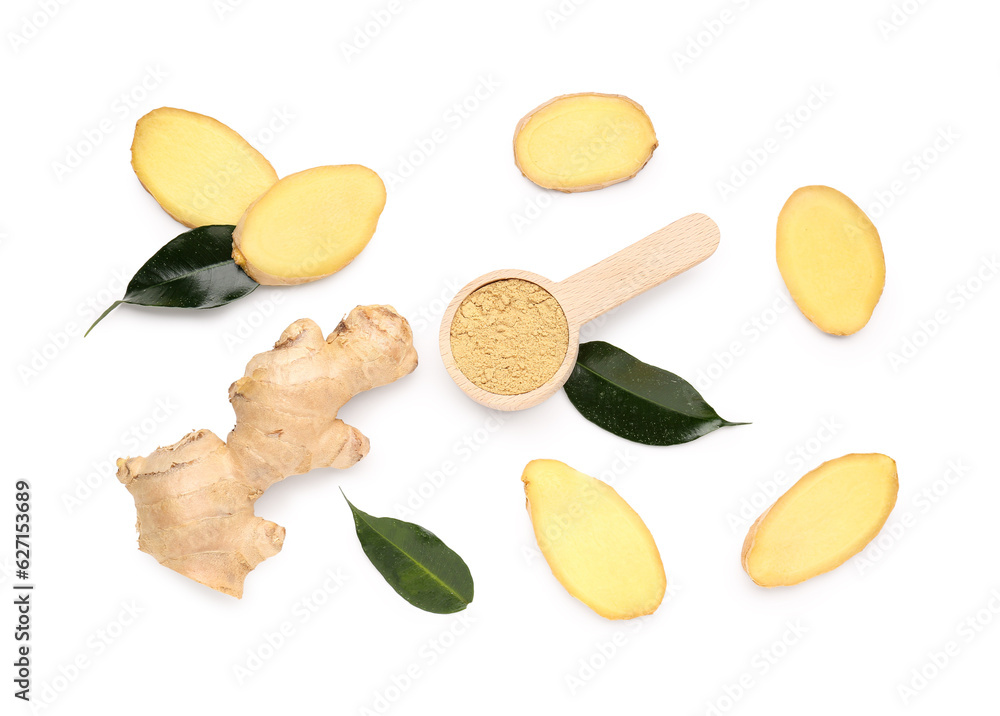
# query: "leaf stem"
{"points": [[100, 318]]}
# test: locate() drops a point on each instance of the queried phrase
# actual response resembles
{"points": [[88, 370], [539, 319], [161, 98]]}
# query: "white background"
{"points": [[145, 377]]}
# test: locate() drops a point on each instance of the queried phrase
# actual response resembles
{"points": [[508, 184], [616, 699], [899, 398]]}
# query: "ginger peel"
{"points": [[195, 499]]}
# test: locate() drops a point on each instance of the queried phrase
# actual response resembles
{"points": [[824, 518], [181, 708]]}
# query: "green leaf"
{"points": [[194, 270], [638, 401], [420, 567]]}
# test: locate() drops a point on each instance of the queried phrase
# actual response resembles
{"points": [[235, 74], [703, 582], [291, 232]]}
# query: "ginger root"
{"points": [[195, 499]]}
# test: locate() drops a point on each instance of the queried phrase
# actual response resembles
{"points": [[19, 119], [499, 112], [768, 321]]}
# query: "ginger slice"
{"points": [[823, 520], [198, 169], [830, 257], [309, 225], [596, 545], [582, 142]]}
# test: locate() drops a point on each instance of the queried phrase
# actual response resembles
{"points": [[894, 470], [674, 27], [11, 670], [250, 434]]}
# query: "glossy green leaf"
{"points": [[638, 401], [418, 565], [194, 270]]}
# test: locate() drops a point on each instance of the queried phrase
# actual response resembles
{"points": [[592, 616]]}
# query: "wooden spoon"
{"points": [[586, 295]]}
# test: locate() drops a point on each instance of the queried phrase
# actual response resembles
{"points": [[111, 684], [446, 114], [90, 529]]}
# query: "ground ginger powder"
{"points": [[509, 337]]}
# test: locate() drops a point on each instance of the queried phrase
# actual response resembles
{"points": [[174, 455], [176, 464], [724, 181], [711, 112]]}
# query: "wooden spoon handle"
{"points": [[639, 267]]}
